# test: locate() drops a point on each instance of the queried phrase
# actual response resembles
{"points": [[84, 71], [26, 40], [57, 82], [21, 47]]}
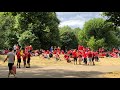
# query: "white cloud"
{"points": [[76, 19], [72, 23]]}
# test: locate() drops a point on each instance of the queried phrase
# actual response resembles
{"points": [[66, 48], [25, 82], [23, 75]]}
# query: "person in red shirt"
{"points": [[18, 58], [28, 59], [66, 56], [57, 56], [93, 57], [89, 57], [85, 57], [74, 54], [24, 58], [79, 55]]}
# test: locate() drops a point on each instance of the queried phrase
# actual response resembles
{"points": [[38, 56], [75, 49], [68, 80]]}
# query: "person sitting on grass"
{"points": [[67, 57], [57, 56], [11, 59]]}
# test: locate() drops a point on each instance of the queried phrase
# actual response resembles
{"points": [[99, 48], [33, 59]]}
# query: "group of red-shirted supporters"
{"points": [[79, 55], [24, 53]]}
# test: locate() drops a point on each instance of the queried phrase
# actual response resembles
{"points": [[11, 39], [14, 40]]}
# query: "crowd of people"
{"points": [[79, 55]]}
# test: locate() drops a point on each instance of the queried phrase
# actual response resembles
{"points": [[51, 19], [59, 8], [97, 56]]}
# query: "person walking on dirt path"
{"points": [[11, 59]]}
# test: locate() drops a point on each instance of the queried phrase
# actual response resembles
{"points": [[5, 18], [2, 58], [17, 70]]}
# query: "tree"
{"points": [[113, 17], [68, 39], [44, 25], [100, 29], [26, 38], [95, 44]]}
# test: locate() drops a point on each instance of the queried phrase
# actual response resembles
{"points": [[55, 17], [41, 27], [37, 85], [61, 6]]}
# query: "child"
{"points": [[18, 58]]}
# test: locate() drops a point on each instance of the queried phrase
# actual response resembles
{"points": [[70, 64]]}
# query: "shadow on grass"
{"points": [[59, 73], [40, 72]]}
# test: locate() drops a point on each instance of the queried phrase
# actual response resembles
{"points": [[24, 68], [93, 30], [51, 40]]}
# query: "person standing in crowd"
{"points": [[30, 49], [11, 59], [14, 47], [51, 49], [74, 54], [18, 58], [28, 59], [24, 58], [79, 54], [85, 57], [89, 57]]}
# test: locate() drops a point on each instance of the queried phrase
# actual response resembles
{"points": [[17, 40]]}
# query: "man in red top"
{"points": [[74, 53], [85, 57], [89, 57], [18, 58]]}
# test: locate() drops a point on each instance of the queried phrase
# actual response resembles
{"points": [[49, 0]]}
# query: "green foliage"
{"points": [[95, 44], [26, 38], [100, 29], [68, 38], [113, 17]]}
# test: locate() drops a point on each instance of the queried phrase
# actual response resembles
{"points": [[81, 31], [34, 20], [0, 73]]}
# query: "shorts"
{"points": [[96, 58], [75, 59], [24, 61], [19, 61], [93, 58], [89, 59], [85, 60], [28, 60], [10, 65]]}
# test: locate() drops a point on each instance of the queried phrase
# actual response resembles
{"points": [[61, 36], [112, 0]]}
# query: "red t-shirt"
{"points": [[80, 47], [18, 55], [74, 54], [24, 56], [89, 54], [28, 55], [79, 54], [96, 54]]}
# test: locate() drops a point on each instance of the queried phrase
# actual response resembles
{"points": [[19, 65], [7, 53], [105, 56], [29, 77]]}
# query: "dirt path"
{"points": [[61, 71]]}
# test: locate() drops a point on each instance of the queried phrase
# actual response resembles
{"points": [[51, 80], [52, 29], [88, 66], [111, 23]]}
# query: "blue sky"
{"points": [[76, 19]]}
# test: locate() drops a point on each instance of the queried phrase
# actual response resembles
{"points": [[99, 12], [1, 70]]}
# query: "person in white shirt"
{"points": [[11, 59]]}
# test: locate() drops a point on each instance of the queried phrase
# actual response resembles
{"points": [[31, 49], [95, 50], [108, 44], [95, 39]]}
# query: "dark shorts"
{"points": [[85, 60], [19, 60], [24, 61], [10, 65], [28, 60], [75, 59], [92, 58]]}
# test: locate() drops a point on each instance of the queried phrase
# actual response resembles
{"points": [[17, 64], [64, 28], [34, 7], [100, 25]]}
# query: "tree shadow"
{"points": [[60, 73]]}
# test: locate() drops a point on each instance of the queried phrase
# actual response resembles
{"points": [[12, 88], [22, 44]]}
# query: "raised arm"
{"points": [[6, 58]]}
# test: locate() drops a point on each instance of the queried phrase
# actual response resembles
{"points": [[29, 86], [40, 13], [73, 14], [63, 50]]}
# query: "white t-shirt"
{"points": [[11, 56], [14, 47]]}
